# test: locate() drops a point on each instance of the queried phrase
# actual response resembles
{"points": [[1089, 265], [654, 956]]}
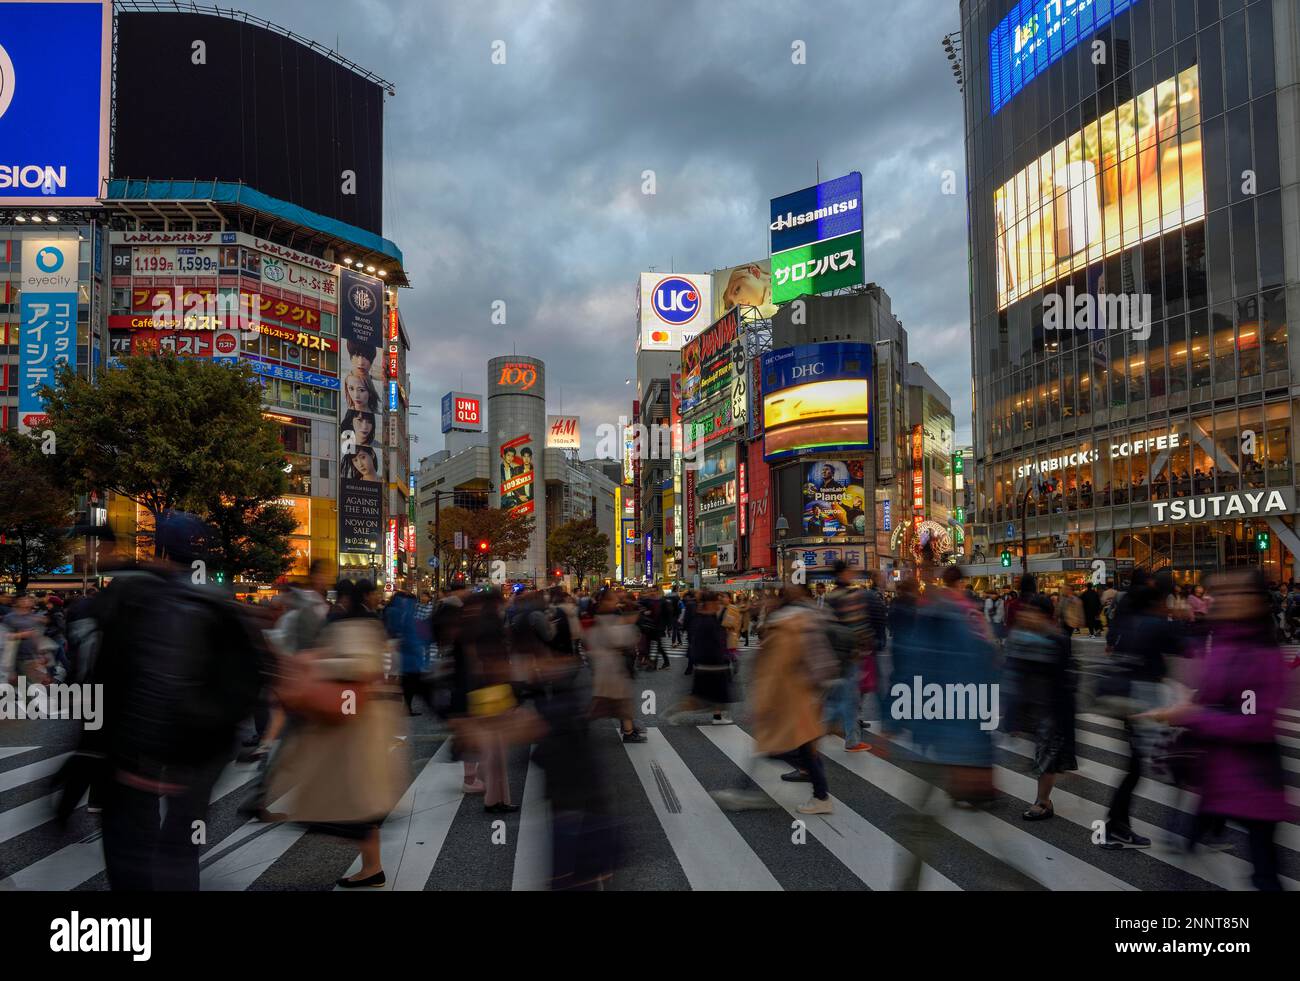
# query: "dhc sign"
{"points": [[54, 101], [1036, 34]]}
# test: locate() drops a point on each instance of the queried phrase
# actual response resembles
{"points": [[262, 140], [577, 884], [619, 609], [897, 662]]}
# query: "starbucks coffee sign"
{"points": [[1243, 504]]}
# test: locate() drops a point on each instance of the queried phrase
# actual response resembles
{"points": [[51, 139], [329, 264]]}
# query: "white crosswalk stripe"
{"points": [[667, 784]]}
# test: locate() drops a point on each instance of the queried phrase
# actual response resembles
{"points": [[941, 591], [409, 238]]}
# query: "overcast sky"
{"points": [[522, 182]]}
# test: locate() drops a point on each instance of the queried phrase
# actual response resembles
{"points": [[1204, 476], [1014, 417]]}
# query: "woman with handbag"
{"points": [[1232, 721], [1038, 678], [342, 767]]}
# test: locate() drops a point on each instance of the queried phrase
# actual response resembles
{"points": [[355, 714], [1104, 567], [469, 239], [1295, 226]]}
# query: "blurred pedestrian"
{"points": [[612, 643], [711, 687], [342, 767], [1232, 722]]}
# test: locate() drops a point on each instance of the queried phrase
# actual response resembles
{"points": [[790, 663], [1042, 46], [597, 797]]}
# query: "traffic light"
{"points": [[483, 545], [1006, 558], [1261, 541]]}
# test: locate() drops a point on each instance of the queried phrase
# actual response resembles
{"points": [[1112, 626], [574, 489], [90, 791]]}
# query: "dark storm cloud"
{"points": [[522, 182]]}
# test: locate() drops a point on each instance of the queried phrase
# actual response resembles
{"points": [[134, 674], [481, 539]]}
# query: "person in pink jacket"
{"points": [[1232, 718]]}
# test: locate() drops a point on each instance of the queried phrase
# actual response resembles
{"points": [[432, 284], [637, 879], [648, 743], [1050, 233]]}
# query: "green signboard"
{"points": [[831, 264]]}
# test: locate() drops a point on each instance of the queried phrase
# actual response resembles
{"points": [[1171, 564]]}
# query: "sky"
{"points": [[522, 182]]}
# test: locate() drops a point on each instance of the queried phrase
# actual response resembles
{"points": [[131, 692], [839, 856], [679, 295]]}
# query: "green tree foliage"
{"points": [[35, 512], [507, 537], [580, 548], [168, 432]]}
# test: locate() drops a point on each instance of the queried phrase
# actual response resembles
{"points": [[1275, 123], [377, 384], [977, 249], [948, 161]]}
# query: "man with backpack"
{"points": [[180, 669]]}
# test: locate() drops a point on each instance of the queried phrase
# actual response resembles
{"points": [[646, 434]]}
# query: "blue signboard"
{"points": [[47, 312], [446, 412], [392, 396], [1036, 34], [823, 211], [54, 97], [291, 374], [888, 524], [817, 398]]}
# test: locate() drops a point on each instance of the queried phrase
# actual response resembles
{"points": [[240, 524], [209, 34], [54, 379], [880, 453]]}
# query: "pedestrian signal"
{"points": [[1006, 559], [1262, 541]]}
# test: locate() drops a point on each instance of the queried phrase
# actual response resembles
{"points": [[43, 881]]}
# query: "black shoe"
{"points": [[796, 776], [373, 881], [1121, 838], [501, 808], [634, 737], [863, 724]]}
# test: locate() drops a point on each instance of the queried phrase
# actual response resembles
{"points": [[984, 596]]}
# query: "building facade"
{"points": [[1134, 200]]}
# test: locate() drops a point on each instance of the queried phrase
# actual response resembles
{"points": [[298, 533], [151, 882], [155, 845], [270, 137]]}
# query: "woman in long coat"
{"points": [[347, 776], [793, 665]]}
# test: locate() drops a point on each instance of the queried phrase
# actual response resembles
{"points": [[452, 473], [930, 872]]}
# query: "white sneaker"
{"points": [[724, 721], [815, 806]]}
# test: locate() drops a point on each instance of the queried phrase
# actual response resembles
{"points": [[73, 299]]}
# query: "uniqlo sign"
{"points": [[463, 412]]}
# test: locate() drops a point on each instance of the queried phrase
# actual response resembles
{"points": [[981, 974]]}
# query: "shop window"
{"points": [[1273, 327]]}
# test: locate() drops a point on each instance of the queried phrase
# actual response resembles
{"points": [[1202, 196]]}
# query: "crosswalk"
{"points": [[675, 835]]}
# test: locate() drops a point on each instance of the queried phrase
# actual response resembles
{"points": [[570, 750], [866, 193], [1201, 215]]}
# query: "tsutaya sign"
{"points": [[1129, 447], [1246, 504]]}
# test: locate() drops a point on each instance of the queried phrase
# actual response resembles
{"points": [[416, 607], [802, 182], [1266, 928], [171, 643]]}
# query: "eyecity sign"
{"points": [[1246, 504], [54, 101]]}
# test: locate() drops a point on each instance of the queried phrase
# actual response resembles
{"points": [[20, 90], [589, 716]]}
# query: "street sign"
{"points": [[460, 539], [433, 561]]}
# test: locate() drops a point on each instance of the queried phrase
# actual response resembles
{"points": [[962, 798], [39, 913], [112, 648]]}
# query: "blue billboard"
{"points": [[54, 101], [817, 399], [1037, 33], [823, 211]]}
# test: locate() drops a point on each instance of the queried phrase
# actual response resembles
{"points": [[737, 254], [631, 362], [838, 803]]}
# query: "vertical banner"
{"points": [[47, 322], [361, 420], [517, 475]]}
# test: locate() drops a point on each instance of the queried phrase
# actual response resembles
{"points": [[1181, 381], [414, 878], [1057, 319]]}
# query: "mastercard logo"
{"points": [[659, 336]]}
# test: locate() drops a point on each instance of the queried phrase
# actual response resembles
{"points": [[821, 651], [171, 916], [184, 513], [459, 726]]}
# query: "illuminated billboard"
{"points": [[462, 412], [517, 475], [1132, 175], [816, 239], [748, 287], [712, 362], [563, 433], [834, 503], [817, 398], [54, 101], [672, 309], [1037, 33]]}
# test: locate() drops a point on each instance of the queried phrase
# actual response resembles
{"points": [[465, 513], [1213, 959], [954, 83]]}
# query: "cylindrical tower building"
{"points": [[516, 387]]}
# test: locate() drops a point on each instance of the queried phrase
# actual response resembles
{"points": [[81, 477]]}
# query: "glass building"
{"points": [[1132, 174]]}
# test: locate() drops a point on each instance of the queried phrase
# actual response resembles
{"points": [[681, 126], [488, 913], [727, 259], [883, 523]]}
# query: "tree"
{"points": [[168, 432], [35, 512], [507, 536], [579, 547], [250, 539]]}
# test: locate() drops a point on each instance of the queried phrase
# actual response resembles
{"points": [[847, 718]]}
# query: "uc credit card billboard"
{"points": [[672, 308], [54, 101], [816, 399], [816, 239]]}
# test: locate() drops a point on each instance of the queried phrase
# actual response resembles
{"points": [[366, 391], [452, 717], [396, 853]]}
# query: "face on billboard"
{"points": [[833, 499], [1132, 175], [747, 286], [517, 475], [54, 98], [673, 309]]}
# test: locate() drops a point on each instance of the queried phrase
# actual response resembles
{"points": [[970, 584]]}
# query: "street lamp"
{"points": [[782, 529]]}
